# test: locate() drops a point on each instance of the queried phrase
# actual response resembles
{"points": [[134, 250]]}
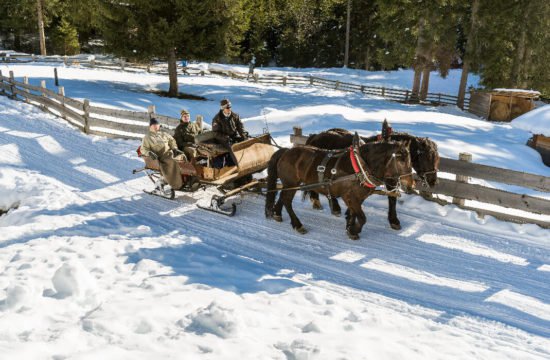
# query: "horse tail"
{"points": [[272, 177]]}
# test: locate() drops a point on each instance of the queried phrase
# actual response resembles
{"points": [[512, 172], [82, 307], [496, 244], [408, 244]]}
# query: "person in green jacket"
{"points": [[162, 147], [185, 135]]}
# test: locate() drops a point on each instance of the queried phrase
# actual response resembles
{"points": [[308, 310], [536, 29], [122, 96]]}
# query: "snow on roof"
{"points": [[536, 121], [522, 92]]}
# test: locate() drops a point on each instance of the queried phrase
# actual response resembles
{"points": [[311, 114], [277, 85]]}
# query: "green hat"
{"points": [[184, 112]]}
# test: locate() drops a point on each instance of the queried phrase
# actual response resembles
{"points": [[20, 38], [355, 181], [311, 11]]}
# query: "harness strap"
{"points": [[321, 169], [361, 174]]}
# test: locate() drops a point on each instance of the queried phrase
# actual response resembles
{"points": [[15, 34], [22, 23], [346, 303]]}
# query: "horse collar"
{"points": [[361, 174]]}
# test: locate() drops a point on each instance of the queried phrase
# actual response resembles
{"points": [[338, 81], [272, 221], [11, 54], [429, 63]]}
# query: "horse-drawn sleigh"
{"points": [[213, 167], [339, 165]]}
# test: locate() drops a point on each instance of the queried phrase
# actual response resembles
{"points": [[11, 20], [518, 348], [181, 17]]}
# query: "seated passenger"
{"points": [[185, 135], [228, 128], [162, 147]]}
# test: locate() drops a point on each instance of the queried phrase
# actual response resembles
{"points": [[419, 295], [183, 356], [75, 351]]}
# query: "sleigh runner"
{"points": [[213, 167]]}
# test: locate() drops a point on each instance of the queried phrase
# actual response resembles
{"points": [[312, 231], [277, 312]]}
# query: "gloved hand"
{"points": [[177, 152], [245, 135], [152, 155]]}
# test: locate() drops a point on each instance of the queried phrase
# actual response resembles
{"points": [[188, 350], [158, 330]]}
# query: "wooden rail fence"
{"points": [[394, 94], [401, 95], [460, 190], [88, 118]]}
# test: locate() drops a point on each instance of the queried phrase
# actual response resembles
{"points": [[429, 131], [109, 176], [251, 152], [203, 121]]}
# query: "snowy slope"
{"points": [[94, 268]]}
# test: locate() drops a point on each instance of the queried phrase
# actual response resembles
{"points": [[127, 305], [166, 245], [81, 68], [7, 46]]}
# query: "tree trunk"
{"points": [[416, 82], [172, 73], [519, 63], [425, 81], [468, 55], [17, 40], [367, 58], [41, 35], [346, 51], [419, 61]]}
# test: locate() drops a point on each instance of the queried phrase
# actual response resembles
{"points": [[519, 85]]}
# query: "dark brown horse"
{"points": [[354, 172], [424, 158]]}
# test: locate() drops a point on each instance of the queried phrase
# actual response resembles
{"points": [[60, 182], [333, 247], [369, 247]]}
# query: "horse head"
{"points": [[390, 162], [425, 160]]}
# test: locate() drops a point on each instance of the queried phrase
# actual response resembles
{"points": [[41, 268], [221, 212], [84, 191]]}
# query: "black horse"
{"points": [[424, 158], [353, 173]]}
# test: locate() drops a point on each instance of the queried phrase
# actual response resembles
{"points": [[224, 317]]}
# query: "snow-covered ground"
{"points": [[94, 268]]}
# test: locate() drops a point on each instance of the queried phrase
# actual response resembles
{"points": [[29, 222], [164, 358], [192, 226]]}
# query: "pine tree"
{"points": [[144, 30], [65, 39]]}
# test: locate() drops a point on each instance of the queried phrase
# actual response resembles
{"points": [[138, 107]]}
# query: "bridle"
{"points": [[368, 180]]}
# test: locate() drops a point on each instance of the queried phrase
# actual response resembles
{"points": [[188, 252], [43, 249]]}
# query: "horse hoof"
{"points": [[302, 230], [277, 218], [353, 236], [337, 213], [317, 207], [396, 226]]}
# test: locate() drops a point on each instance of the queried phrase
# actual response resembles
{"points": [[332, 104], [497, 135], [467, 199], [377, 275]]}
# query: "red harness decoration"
{"points": [[359, 171]]}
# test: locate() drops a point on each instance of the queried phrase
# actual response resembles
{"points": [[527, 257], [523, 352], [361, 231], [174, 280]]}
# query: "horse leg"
{"points": [[315, 202], [392, 213], [334, 206], [355, 218], [287, 197], [278, 209]]}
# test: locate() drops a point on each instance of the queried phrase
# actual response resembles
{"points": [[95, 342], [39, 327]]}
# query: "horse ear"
{"points": [[386, 130], [356, 140]]}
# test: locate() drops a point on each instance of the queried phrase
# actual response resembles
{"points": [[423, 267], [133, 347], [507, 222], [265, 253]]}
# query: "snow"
{"points": [[536, 121], [91, 267], [531, 92]]}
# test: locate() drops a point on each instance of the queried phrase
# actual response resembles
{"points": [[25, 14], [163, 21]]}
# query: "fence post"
{"points": [[284, 80], [33, 58], [92, 63], [256, 78], [86, 109], [43, 93], [407, 96], [362, 88], [12, 85], [151, 111], [55, 77], [1, 81], [202, 72], [311, 80], [148, 68], [61, 92], [383, 92], [462, 178], [439, 98], [65, 60], [122, 64], [26, 82], [337, 85], [296, 137]]}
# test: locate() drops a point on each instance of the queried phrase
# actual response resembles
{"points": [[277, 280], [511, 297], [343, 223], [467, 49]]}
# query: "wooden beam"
{"points": [[489, 196]]}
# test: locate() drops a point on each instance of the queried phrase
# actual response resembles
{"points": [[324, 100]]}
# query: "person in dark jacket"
{"points": [[227, 125], [228, 128], [185, 135]]}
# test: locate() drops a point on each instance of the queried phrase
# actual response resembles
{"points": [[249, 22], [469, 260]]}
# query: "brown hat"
{"points": [[184, 112], [225, 104]]}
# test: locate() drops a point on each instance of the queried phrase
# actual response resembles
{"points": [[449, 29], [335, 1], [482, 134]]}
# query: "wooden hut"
{"points": [[502, 104]]}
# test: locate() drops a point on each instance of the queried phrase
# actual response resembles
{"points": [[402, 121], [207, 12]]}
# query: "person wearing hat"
{"points": [[185, 135], [228, 128], [227, 124], [161, 146]]}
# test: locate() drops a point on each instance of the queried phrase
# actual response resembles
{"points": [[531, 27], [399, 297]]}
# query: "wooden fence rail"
{"points": [[393, 94], [464, 190], [89, 119]]}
